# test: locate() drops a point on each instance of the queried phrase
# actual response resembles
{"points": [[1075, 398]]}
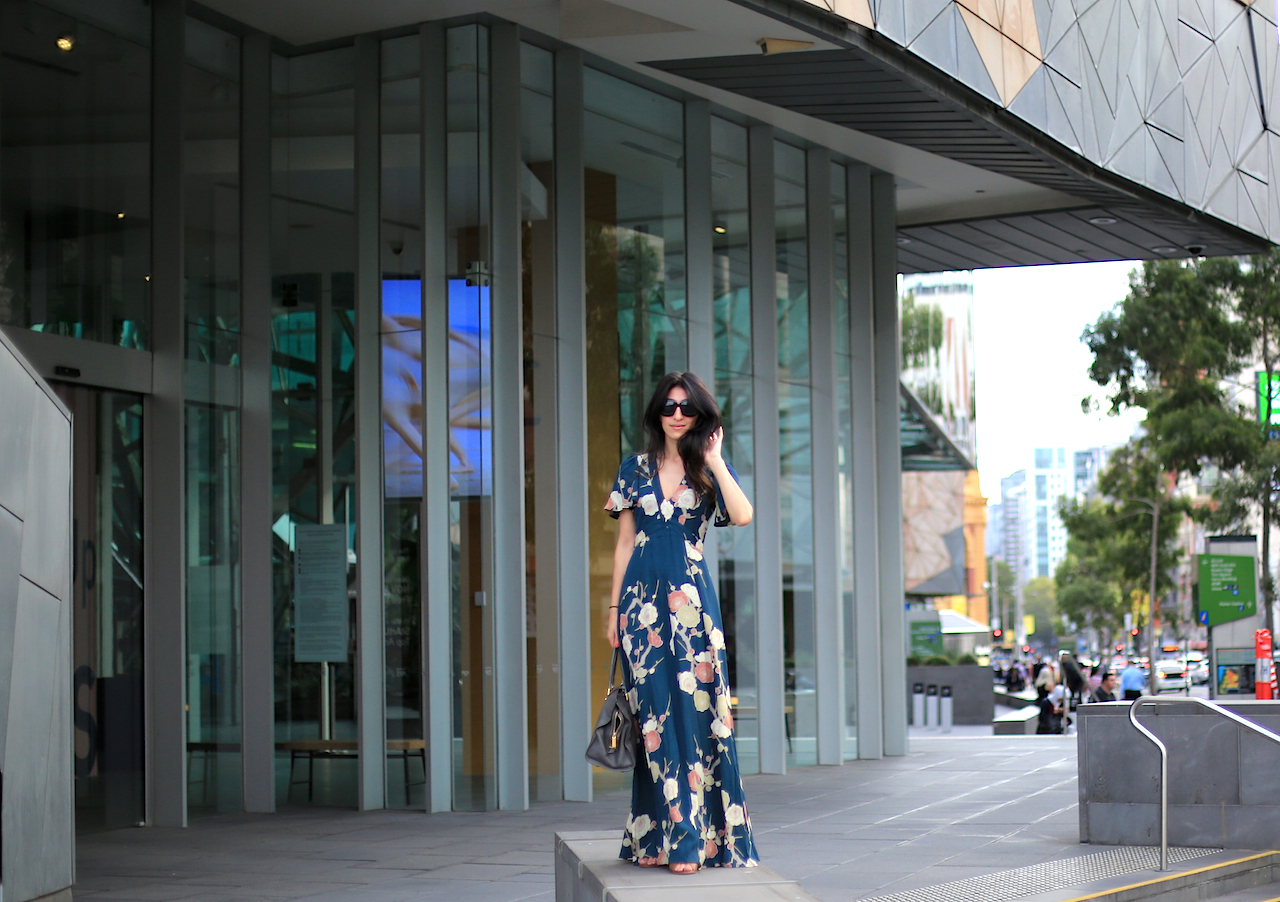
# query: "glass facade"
{"points": [[731, 291], [75, 245], [313, 413], [842, 283], [107, 614], [75, 194], [635, 278], [470, 406], [401, 252], [211, 243], [796, 475]]}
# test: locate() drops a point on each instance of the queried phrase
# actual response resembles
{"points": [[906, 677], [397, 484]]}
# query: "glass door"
{"points": [[107, 705]]}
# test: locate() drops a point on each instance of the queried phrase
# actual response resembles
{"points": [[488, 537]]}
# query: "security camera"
{"points": [[1195, 249]]}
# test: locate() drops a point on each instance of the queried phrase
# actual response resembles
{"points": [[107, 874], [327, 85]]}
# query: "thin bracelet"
{"points": [[613, 607]]}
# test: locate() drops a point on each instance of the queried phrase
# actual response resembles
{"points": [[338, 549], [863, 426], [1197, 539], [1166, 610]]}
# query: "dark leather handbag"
{"points": [[616, 738]]}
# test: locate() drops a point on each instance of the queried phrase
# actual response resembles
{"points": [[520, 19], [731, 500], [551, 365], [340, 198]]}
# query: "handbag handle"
{"points": [[613, 668]]}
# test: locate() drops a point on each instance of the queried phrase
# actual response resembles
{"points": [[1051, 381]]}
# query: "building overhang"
{"points": [[926, 447]]}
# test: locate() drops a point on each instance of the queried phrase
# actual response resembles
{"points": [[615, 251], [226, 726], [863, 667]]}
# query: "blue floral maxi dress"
{"points": [[687, 803]]}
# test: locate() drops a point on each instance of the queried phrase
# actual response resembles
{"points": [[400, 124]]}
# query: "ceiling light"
{"points": [[147, 278], [1102, 220], [65, 43], [903, 239], [719, 229], [1165, 249], [120, 215]]}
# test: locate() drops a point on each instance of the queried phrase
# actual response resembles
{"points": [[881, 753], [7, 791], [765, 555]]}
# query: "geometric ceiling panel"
{"points": [[1158, 116]]}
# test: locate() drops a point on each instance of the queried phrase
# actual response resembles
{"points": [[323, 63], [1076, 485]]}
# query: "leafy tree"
{"points": [[1039, 600], [1181, 346]]}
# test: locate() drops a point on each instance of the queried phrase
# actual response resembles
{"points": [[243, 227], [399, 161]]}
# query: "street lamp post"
{"points": [[1153, 678]]}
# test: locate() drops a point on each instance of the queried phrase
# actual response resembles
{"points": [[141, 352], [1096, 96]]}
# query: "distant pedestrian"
{"points": [[1106, 691], [1132, 681]]}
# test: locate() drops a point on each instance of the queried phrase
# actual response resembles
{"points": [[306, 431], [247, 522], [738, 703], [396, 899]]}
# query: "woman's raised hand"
{"points": [[713, 445]]}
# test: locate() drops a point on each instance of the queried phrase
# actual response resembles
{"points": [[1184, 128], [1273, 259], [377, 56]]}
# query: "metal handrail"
{"points": [[1164, 752]]}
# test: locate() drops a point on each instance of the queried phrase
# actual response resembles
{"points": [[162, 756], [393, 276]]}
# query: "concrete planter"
{"points": [[1221, 776], [972, 699]]}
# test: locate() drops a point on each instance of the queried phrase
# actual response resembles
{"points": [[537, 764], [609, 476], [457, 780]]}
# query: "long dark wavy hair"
{"points": [[693, 444]]}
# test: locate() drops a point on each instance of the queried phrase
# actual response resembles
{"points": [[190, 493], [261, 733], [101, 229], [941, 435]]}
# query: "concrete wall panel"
{"points": [[37, 852], [17, 396], [46, 522]]}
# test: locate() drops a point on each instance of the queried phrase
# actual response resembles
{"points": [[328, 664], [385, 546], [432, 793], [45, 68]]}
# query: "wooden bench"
{"points": [[311, 749]]}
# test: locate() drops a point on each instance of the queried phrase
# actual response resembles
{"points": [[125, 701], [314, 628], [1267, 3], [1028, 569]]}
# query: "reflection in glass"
{"points": [[470, 442], [107, 617], [401, 249], [796, 476], [844, 450], [75, 156], [313, 404], [735, 548], [542, 624], [636, 320], [213, 609], [211, 213], [211, 185]]}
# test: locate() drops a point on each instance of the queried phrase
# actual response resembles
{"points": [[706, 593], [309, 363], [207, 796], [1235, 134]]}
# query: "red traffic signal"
{"points": [[1026, 649], [996, 634], [1120, 647], [1133, 632]]}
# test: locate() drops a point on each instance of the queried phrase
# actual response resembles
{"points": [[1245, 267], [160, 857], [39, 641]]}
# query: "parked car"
{"points": [[1198, 671]]}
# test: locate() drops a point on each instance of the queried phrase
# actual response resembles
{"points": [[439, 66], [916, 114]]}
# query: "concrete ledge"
{"points": [[588, 870], [1022, 722]]}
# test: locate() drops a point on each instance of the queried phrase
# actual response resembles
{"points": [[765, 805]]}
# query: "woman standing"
{"points": [[687, 804]]}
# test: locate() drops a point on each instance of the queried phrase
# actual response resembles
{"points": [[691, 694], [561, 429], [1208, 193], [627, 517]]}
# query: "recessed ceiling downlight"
{"points": [[1102, 220]]}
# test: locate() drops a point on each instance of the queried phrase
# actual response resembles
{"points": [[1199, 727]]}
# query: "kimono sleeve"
{"points": [[623, 495], [722, 513]]}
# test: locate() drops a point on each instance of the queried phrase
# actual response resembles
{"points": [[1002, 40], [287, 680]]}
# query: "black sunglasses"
{"points": [[686, 407]]}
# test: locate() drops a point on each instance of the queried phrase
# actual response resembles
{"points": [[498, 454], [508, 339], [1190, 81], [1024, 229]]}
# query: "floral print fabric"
{"points": [[687, 803]]}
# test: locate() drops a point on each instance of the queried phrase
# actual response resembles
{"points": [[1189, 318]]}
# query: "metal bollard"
{"points": [[944, 709], [917, 704], [931, 707]]}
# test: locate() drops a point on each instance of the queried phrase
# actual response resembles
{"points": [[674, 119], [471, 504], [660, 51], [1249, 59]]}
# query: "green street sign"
{"points": [[1227, 588], [926, 637]]}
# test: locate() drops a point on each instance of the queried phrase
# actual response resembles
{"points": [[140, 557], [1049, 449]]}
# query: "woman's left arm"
{"points": [[736, 504]]}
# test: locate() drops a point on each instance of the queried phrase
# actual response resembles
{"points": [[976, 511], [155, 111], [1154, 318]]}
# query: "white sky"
{"points": [[1032, 368]]}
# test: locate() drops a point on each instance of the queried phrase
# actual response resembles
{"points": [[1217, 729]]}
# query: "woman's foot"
{"points": [[648, 862], [683, 867]]}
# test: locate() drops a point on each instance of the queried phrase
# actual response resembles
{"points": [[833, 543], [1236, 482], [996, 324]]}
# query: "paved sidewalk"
{"points": [[959, 805]]}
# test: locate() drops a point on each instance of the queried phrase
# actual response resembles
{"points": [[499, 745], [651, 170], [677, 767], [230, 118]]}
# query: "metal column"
{"points": [[508, 611], [866, 516], [370, 636], [700, 304], [764, 353], [889, 464], [165, 434], [257, 623], [437, 670], [828, 611], [576, 716]]}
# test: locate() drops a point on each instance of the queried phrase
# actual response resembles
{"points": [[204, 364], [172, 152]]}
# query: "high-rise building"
{"points": [[1034, 541]]}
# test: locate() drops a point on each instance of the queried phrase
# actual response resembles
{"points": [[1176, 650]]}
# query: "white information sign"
{"points": [[321, 619]]}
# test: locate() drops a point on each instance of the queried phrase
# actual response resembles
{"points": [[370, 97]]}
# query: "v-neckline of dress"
{"points": [[663, 492]]}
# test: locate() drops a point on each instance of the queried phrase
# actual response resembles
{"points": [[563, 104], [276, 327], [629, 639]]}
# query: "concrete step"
{"points": [[1119, 874], [588, 870], [1268, 893]]}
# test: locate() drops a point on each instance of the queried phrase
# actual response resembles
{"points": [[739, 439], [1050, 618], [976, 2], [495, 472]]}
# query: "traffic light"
{"points": [[1120, 647], [996, 634], [1026, 649], [1134, 632]]}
